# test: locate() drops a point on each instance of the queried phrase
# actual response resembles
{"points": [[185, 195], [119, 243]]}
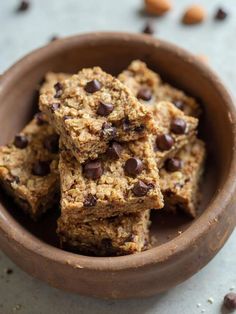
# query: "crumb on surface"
{"points": [[210, 300]]}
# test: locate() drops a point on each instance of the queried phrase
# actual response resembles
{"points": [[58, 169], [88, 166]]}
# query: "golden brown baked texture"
{"points": [[50, 79], [103, 188], [163, 114], [181, 188], [92, 108], [149, 88], [126, 234], [123, 180], [175, 130], [29, 167]]}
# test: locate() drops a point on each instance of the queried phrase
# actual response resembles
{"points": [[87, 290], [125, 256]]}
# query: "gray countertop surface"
{"points": [[21, 33]]}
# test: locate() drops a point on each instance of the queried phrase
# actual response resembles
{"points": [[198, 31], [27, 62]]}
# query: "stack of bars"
{"points": [[110, 149]]}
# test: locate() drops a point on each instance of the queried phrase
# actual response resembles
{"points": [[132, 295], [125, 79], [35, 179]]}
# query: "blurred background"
{"points": [[214, 40], [26, 30]]}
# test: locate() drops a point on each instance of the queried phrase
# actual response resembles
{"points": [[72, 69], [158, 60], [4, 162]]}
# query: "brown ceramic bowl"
{"points": [[175, 257]]}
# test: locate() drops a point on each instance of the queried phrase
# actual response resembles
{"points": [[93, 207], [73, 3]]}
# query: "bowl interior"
{"points": [[19, 98]]}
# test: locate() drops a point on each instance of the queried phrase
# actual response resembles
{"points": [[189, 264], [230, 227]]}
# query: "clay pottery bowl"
{"points": [[176, 255]]}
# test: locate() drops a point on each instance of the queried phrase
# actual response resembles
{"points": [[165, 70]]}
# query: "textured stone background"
{"points": [[20, 33]]}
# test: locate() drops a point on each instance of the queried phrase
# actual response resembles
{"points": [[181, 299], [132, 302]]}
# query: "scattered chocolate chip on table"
{"points": [[220, 14], [149, 28], [24, 5]]}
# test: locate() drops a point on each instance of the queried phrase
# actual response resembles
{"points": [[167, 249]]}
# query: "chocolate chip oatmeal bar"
{"points": [[29, 167], [148, 87], [175, 130], [92, 108], [180, 178], [126, 234], [123, 180]]}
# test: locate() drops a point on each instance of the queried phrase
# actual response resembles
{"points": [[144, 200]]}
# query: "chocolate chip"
{"points": [[20, 141], [93, 169], [178, 126], [164, 142], [140, 189], [114, 151], [149, 28], [145, 94], [230, 301], [40, 118], [23, 6], [93, 86], [104, 109], [179, 104], [51, 143], [221, 14], [41, 168], [133, 166], [55, 106], [108, 131], [173, 164], [58, 88], [126, 125], [90, 200]]}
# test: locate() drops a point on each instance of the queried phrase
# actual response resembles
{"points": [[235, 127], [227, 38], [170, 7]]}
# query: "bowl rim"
{"points": [[14, 230]]}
